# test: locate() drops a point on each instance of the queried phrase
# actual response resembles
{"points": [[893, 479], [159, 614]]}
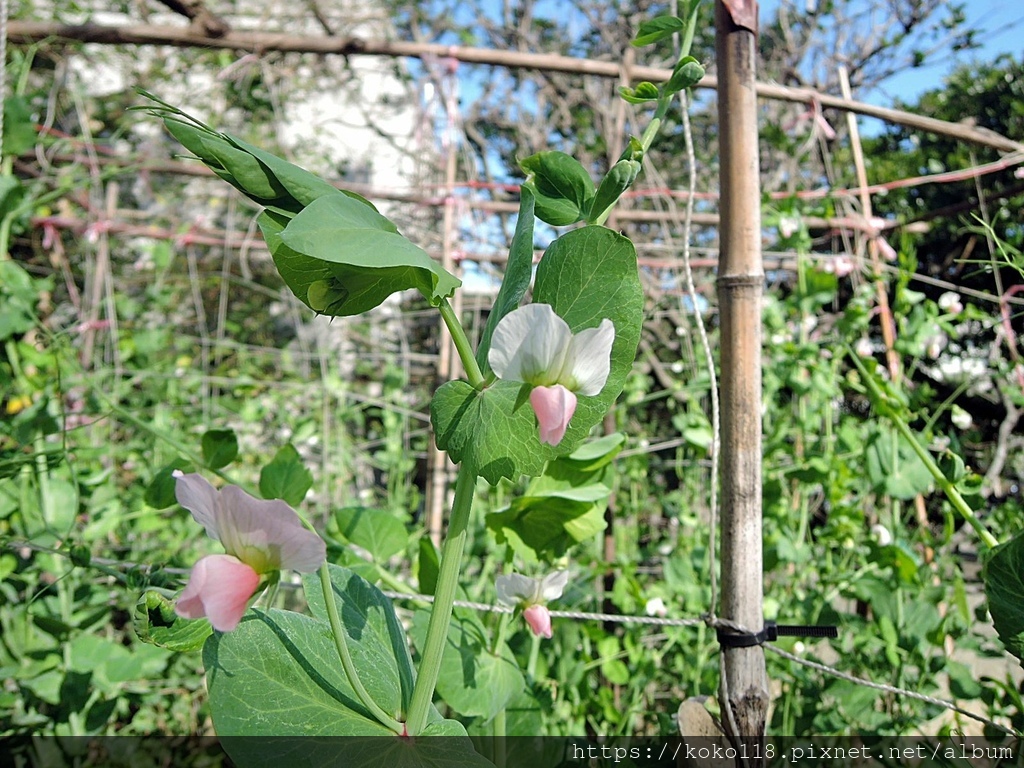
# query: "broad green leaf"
{"points": [[372, 628], [595, 454], [160, 491], [473, 681], [586, 275], [427, 566], [156, 622], [362, 259], [286, 477], [378, 532], [19, 127], [518, 272], [893, 466], [658, 28], [562, 186], [1004, 586], [278, 674], [220, 447]]}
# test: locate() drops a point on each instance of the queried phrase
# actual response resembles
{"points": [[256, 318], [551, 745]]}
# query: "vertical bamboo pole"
{"points": [[744, 685]]}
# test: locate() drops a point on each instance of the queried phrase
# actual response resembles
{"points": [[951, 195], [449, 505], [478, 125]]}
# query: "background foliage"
{"points": [[144, 329]]}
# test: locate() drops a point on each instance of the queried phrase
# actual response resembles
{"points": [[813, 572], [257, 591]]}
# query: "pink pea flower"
{"points": [[534, 345], [532, 595], [260, 537], [539, 619]]}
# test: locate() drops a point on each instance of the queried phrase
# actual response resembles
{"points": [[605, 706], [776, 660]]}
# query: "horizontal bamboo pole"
{"points": [[27, 32]]}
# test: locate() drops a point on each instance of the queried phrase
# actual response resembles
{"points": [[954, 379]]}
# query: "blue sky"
{"points": [[1003, 25]]}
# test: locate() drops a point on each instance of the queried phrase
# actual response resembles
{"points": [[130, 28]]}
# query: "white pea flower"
{"points": [[532, 595], [864, 347], [961, 419], [881, 535], [534, 345], [950, 303], [788, 225], [655, 607]]}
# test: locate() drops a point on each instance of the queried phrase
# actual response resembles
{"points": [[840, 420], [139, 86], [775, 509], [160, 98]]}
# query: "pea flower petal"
{"points": [[260, 536], [264, 534], [534, 345], [553, 406], [530, 344], [219, 588], [539, 619]]}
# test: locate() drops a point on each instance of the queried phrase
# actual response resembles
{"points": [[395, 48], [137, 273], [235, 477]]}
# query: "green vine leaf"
{"points": [[1004, 587], [586, 275], [562, 186]]}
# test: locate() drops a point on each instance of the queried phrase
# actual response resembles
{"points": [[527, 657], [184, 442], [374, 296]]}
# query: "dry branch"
{"points": [[28, 32]]}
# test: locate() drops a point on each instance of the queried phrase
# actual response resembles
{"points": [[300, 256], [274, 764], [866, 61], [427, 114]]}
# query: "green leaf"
{"points": [[473, 681], [378, 532], [562, 186], [687, 73], [586, 275], [373, 629], [156, 622], [361, 258], [220, 447], [642, 93], [19, 127], [286, 477], [278, 673], [1003, 575], [160, 491], [658, 28], [428, 566], [893, 466], [563, 506], [518, 271]]}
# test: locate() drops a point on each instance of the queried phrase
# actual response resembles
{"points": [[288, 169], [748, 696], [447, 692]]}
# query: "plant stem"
{"points": [[341, 643], [444, 596], [880, 401], [462, 345]]}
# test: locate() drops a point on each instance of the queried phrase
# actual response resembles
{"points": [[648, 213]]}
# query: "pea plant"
{"points": [[543, 375]]}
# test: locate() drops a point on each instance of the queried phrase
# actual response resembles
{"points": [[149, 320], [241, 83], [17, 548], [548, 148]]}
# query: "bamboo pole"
{"points": [[744, 684], [29, 32]]}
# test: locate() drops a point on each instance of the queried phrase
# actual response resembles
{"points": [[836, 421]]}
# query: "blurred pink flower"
{"points": [[260, 537], [534, 345]]}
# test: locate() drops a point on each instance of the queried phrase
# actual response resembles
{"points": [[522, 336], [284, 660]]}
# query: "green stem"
{"points": [[498, 729], [531, 664], [948, 487], [444, 597], [341, 643], [462, 345]]}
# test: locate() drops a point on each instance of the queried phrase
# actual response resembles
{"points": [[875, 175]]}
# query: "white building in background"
{"points": [[355, 119]]}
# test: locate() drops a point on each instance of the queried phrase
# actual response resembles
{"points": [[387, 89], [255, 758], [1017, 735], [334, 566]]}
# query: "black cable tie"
{"points": [[728, 638]]}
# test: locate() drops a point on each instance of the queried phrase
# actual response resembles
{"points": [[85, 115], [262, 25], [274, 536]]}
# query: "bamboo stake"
{"points": [[744, 685]]}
